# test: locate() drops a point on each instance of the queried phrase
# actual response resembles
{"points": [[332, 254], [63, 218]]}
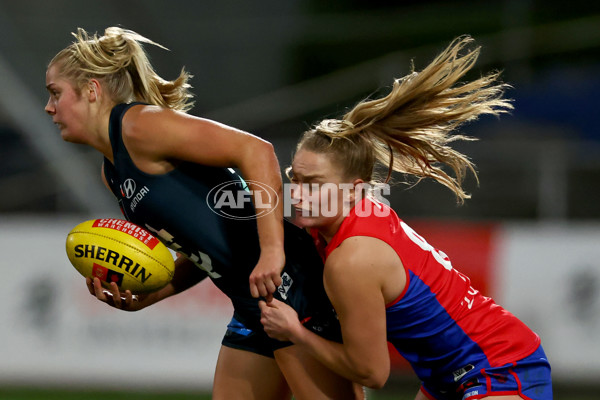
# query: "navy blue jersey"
{"points": [[176, 206]]}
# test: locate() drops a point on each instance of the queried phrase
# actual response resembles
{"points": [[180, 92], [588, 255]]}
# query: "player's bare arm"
{"points": [[359, 269], [157, 136], [355, 270]]}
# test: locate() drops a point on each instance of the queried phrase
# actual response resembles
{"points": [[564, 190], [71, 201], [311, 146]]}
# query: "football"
{"points": [[119, 251]]}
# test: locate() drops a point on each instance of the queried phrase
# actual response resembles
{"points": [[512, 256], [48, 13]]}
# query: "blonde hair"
{"points": [[118, 60], [410, 130]]}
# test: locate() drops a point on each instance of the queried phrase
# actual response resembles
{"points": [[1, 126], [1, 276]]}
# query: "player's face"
{"points": [[67, 107], [320, 195]]}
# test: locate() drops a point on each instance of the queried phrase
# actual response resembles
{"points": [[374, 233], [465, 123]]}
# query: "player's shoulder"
{"points": [[359, 264], [357, 253], [141, 118], [144, 129]]}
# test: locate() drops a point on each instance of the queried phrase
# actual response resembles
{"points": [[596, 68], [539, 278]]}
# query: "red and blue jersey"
{"points": [[441, 324]]}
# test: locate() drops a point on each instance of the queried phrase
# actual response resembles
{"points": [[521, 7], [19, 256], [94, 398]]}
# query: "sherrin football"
{"points": [[116, 250]]}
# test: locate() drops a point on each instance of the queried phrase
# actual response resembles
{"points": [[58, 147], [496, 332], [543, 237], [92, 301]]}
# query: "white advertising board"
{"points": [[549, 276], [52, 331]]}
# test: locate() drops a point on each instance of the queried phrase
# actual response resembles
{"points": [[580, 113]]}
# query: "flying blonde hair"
{"points": [[410, 130], [119, 61]]}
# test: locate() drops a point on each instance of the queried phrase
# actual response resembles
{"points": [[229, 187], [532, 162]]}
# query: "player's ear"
{"points": [[357, 192], [94, 90]]}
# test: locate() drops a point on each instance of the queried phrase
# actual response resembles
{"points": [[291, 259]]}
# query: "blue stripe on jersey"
{"points": [[427, 336]]}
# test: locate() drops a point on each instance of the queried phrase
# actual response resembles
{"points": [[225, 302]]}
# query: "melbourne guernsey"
{"points": [[441, 324]]}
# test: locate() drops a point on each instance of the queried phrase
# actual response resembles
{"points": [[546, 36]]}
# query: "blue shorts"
{"points": [[302, 289], [528, 378]]}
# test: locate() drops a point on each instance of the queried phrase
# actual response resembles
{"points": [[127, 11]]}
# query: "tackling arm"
{"points": [[354, 277]]}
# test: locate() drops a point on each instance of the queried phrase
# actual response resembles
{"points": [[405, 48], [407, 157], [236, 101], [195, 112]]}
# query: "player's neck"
{"points": [[99, 134]]}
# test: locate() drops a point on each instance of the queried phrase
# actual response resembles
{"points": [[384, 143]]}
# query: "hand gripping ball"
{"points": [[119, 251]]}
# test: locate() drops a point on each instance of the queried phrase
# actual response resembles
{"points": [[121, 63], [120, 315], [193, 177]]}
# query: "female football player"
{"points": [[385, 281], [161, 164]]}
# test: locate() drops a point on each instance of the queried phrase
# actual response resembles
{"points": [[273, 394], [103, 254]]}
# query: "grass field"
{"points": [[393, 392], [31, 394], [55, 394]]}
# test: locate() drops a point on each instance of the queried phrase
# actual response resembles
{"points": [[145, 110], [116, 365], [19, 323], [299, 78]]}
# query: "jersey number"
{"points": [[442, 258], [439, 256]]}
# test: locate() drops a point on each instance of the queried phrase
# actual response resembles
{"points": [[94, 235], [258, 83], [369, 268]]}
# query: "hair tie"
{"points": [[335, 127]]}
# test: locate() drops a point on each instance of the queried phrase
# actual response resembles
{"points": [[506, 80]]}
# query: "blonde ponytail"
{"points": [[410, 130], [119, 61]]}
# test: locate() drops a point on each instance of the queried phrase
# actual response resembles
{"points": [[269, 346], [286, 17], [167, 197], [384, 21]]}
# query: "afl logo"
{"points": [[128, 188], [227, 197]]}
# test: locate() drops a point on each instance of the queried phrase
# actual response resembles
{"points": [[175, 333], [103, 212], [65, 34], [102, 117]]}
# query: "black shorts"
{"points": [[301, 288]]}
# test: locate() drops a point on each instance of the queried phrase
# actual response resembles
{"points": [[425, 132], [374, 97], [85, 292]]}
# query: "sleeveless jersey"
{"points": [[176, 206], [440, 324]]}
